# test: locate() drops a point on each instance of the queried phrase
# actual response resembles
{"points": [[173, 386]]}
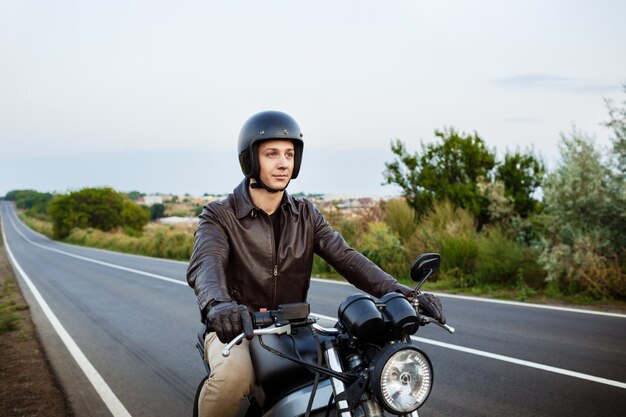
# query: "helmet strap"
{"points": [[261, 185]]}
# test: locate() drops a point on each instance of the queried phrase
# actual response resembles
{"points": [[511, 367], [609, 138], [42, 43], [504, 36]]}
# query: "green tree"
{"points": [[28, 199], [446, 170], [585, 215], [100, 208], [522, 174], [133, 216], [157, 211], [617, 123], [134, 195]]}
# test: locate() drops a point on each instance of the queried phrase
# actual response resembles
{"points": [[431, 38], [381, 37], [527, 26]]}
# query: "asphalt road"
{"points": [[131, 322]]}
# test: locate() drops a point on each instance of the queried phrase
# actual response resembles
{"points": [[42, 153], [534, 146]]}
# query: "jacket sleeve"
{"points": [[355, 267], [206, 270]]}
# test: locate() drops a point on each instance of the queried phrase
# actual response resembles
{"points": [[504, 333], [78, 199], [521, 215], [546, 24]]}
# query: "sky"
{"points": [[150, 95]]}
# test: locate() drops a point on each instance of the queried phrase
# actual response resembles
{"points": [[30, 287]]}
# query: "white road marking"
{"points": [[490, 300], [509, 359], [110, 399], [95, 261]]}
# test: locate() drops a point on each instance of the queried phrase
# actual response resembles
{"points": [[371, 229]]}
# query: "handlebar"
{"points": [[282, 320], [283, 329]]}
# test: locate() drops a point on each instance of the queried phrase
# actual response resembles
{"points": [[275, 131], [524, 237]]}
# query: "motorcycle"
{"points": [[364, 366]]}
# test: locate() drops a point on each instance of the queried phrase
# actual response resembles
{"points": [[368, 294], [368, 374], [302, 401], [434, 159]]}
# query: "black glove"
{"points": [[229, 319], [430, 305]]}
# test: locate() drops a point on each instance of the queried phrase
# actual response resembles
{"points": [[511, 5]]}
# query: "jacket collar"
{"points": [[244, 205]]}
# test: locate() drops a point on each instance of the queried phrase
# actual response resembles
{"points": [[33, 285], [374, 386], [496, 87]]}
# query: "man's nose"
{"points": [[283, 161]]}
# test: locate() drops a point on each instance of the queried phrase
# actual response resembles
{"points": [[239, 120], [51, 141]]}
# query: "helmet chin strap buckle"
{"points": [[260, 185]]}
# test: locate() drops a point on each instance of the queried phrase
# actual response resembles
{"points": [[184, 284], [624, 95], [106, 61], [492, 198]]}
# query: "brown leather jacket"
{"points": [[234, 256]]}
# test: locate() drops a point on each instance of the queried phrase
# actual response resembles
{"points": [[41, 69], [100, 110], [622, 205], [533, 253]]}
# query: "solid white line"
{"points": [[95, 261], [505, 302], [530, 305], [88, 248], [509, 359], [523, 362], [110, 399]]}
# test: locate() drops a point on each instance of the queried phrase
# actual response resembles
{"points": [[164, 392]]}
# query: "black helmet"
{"points": [[267, 125]]}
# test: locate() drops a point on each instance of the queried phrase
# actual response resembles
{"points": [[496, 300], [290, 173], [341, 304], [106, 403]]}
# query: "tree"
{"points": [[617, 122], [521, 174], [100, 208], [157, 211], [585, 213], [448, 170], [34, 201], [134, 195]]}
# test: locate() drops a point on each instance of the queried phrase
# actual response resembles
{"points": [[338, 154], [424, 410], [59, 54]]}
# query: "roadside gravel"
{"points": [[28, 385]]}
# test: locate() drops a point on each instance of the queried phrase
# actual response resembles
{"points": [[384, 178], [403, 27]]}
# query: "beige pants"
{"points": [[231, 379]]}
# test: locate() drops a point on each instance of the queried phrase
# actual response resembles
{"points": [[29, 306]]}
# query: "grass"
{"points": [[10, 302], [156, 240]]}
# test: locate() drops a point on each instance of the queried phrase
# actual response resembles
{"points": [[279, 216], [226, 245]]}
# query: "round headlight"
{"points": [[402, 378]]}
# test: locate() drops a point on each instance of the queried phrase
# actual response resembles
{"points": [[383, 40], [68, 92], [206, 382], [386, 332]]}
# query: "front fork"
{"points": [[332, 359]]}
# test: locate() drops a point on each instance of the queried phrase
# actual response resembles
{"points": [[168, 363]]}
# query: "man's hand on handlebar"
{"points": [[430, 305], [229, 319]]}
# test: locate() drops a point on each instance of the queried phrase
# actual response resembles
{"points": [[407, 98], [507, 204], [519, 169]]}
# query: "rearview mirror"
{"points": [[423, 266]]}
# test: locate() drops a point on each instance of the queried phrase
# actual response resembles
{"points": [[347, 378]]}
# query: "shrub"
{"points": [[585, 221], [400, 218], [506, 262], [383, 247], [35, 202], [583, 269], [101, 208], [447, 231]]}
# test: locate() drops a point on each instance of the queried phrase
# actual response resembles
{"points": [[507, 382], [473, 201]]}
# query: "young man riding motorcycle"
{"points": [[255, 250]]}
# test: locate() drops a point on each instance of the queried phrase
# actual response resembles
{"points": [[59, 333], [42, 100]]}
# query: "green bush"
{"points": [[400, 217], [383, 247], [157, 211], [449, 231], [505, 262], [471, 258], [585, 223], [459, 258], [100, 208], [583, 269], [35, 202]]}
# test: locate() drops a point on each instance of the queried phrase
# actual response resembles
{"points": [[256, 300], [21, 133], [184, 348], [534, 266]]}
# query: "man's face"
{"points": [[276, 160]]}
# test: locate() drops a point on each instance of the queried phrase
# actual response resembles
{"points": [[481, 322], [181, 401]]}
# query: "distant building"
{"points": [[149, 200], [175, 220], [356, 203]]}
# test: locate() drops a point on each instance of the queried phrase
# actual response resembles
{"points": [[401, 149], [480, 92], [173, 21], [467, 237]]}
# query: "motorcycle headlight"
{"points": [[402, 378]]}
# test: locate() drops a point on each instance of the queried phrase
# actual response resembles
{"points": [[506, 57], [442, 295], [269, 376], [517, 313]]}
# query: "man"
{"points": [[255, 250]]}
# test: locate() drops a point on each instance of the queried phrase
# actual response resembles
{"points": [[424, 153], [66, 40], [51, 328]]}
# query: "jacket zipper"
{"points": [[274, 259]]}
